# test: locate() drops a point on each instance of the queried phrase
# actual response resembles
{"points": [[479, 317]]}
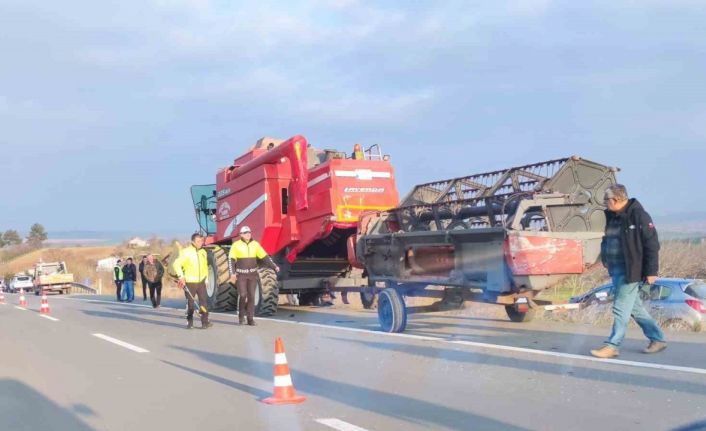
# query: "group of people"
{"points": [[151, 273], [191, 268]]}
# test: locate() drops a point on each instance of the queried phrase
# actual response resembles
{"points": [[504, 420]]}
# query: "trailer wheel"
{"points": [[517, 316], [392, 313], [222, 296], [267, 295]]}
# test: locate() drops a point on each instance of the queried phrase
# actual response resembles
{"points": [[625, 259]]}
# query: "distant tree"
{"points": [[11, 237], [37, 234], [2, 241]]}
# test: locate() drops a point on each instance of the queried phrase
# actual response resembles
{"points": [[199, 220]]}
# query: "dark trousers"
{"points": [[119, 286], [155, 287], [247, 283], [145, 285], [197, 290]]}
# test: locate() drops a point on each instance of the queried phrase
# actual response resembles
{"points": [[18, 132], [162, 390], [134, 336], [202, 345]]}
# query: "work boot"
{"points": [[605, 352], [655, 347], [206, 325], [251, 322], [189, 324]]}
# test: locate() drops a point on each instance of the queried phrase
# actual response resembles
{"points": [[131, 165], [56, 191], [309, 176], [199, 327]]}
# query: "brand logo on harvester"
{"points": [[364, 190], [223, 192], [224, 210]]}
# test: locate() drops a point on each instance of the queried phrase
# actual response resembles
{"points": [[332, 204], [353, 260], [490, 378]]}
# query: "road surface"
{"points": [[100, 365]]}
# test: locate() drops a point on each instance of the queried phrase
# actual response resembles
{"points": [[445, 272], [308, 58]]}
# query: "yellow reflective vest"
{"points": [[191, 264]]}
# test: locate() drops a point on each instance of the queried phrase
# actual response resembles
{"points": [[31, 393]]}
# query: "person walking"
{"points": [[191, 267], [630, 251], [118, 277], [153, 273], [143, 280], [130, 274], [243, 262]]}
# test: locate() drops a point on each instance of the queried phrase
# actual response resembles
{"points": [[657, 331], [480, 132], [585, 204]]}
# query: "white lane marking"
{"points": [[53, 319], [20, 308], [636, 364], [581, 357], [121, 343], [339, 425]]}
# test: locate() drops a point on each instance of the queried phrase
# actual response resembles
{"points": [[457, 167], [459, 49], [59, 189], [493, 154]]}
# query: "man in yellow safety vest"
{"points": [[192, 269], [243, 257]]}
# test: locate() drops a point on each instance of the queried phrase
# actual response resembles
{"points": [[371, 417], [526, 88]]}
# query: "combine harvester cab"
{"points": [[302, 205], [499, 237]]}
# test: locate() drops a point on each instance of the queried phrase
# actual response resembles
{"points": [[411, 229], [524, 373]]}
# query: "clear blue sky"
{"points": [[109, 110]]}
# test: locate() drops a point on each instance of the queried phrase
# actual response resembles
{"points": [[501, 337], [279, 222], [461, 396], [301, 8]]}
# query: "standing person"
{"points": [[192, 269], [153, 273], [118, 277], [243, 257], [130, 274], [630, 251], [143, 280]]}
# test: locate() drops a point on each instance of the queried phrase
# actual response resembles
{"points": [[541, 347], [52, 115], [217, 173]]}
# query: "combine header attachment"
{"points": [[499, 237]]}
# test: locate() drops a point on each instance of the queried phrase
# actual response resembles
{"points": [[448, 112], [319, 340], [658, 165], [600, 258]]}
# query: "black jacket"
{"points": [[639, 240], [130, 272]]}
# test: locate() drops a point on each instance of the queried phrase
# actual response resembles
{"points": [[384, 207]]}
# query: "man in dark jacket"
{"points": [[143, 280], [130, 274], [153, 273], [630, 251]]}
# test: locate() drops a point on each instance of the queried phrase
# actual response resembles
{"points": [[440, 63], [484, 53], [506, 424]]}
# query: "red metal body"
{"points": [[290, 202]]}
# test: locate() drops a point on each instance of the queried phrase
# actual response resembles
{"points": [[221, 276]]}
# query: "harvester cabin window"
{"points": [[285, 200]]}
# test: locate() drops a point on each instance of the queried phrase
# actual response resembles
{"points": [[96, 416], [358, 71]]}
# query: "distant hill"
{"points": [[90, 237], [682, 225]]}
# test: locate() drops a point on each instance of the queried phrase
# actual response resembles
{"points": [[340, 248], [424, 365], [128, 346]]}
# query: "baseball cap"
{"points": [[245, 229]]}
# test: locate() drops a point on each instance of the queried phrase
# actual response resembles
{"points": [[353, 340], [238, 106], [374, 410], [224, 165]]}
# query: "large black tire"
{"points": [[267, 295], [517, 316], [368, 299], [222, 295], [392, 312]]}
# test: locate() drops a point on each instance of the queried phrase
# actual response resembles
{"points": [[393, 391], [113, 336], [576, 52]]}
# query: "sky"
{"points": [[110, 110]]}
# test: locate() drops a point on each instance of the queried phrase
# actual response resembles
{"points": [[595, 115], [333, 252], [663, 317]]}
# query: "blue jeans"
{"points": [[129, 290], [628, 303]]}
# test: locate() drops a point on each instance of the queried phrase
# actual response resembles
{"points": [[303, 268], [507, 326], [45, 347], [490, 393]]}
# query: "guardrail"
{"points": [[78, 288]]}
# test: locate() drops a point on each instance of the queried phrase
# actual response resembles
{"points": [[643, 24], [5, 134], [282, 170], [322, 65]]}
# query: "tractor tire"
{"points": [[392, 312], [517, 316], [222, 295], [267, 295], [311, 298], [368, 299]]}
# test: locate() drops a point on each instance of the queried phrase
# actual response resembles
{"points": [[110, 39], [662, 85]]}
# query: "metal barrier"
{"points": [[81, 289]]}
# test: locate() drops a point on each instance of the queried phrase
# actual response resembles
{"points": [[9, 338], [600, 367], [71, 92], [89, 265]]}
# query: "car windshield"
{"points": [[22, 278], [697, 290]]}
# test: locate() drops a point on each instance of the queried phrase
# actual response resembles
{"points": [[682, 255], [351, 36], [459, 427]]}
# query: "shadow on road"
{"points": [[384, 403], [23, 408], [256, 392], [120, 316], [583, 373]]}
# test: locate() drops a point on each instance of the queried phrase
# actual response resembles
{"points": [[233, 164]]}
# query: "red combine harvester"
{"points": [[303, 205]]}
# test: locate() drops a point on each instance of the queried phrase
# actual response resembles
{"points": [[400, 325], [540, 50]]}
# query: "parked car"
{"points": [[674, 302], [3, 287], [21, 282]]}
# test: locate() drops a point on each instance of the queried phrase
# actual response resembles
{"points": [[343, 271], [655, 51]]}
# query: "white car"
{"points": [[21, 282]]}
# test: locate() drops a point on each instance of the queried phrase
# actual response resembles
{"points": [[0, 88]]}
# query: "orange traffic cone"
{"points": [[284, 389], [23, 300], [44, 308]]}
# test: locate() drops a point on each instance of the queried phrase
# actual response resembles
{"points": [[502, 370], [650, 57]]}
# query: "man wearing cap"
{"points": [[630, 251], [243, 261], [191, 267]]}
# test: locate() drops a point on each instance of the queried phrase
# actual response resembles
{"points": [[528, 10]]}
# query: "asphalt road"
{"points": [[448, 371]]}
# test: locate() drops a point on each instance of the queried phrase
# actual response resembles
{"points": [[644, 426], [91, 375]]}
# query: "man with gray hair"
{"points": [[630, 251]]}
